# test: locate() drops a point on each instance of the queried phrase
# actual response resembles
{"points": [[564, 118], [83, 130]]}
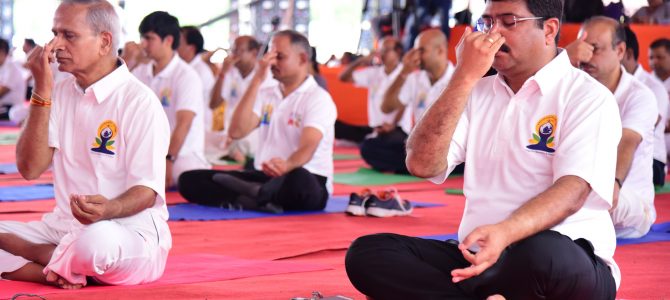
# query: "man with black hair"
{"points": [[659, 60], [180, 91], [376, 79], [633, 203], [539, 140], [295, 119], [12, 83], [191, 47], [630, 63]]}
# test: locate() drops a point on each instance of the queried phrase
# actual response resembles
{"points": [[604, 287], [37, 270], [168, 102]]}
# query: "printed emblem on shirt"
{"points": [[422, 101], [543, 135], [295, 119], [165, 96], [104, 141], [266, 114], [233, 91]]}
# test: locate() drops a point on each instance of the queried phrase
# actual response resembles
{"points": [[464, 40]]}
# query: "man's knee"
{"points": [[100, 244], [366, 249]]}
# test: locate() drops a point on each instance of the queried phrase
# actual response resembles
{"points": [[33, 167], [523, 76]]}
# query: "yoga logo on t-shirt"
{"points": [[295, 119], [543, 135], [266, 114], [104, 141], [166, 94]]}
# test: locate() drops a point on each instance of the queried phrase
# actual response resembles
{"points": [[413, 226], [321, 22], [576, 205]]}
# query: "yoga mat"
{"points": [[183, 269], [7, 123], [9, 138], [343, 156], [441, 237], [28, 192], [190, 212], [662, 190], [8, 168], [454, 192], [365, 176]]}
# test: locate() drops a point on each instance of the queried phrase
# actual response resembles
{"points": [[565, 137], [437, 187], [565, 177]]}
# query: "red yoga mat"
{"points": [[181, 269]]}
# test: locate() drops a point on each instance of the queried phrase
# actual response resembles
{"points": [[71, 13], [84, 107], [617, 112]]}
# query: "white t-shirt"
{"points": [[561, 122], [207, 79], [179, 88], [234, 86], [377, 82], [638, 110], [655, 85], [420, 93], [282, 121], [11, 77], [108, 138], [666, 82]]}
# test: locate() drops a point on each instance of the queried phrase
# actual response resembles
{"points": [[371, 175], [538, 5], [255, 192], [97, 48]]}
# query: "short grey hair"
{"points": [[102, 17], [297, 39]]}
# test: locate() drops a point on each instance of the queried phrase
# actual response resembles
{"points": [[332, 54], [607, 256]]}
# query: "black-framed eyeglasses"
{"points": [[485, 23]]}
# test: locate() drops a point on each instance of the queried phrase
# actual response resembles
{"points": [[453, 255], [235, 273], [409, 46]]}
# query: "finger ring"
{"points": [[490, 40]]}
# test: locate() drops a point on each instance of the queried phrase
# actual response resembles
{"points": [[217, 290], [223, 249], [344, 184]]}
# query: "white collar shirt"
{"points": [[377, 81], [418, 93], [11, 77], [108, 138], [283, 119], [656, 86], [207, 79], [638, 110], [666, 82], [561, 122], [179, 88]]}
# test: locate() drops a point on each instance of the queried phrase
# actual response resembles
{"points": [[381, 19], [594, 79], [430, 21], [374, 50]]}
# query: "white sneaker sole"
{"points": [[355, 210], [384, 213]]}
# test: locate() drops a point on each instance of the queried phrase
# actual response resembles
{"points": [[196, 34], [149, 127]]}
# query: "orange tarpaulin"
{"points": [[351, 102]]}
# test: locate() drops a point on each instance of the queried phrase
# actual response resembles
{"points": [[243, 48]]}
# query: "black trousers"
{"points": [[547, 265], [659, 173], [344, 131], [296, 190], [386, 152]]}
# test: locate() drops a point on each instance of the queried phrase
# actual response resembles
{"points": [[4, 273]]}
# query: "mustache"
{"points": [[586, 65], [505, 48]]}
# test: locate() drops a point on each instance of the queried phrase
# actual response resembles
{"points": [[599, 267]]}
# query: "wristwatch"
{"points": [[170, 157]]}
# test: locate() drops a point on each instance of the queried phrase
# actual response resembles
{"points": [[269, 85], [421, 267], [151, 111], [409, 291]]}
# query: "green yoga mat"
{"points": [[454, 192], [365, 177], [662, 190], [9, 138], [346, 156]]}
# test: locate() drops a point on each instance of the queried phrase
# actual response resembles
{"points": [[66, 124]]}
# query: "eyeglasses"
{"points": [[485, 23]]}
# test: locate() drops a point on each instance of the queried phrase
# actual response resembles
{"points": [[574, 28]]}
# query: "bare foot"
{"points": [[55, 279]]}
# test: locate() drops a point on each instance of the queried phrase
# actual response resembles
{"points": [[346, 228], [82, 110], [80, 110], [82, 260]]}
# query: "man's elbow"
{"points": [[419, 168], [387, 108], [235, 132], [27, 171]]}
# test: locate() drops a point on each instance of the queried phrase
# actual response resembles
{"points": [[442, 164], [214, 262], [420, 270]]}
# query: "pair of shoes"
{"points": [[387, 203]]}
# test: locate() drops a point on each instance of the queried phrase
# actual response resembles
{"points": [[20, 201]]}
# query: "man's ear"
{"points": [[620, 49], [551, 28], [106, 43]]}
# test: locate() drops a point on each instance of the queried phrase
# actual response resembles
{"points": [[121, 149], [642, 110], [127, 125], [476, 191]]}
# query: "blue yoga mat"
{"points": [[194, 212], [658, 233], [25, 193], [8, 168]]}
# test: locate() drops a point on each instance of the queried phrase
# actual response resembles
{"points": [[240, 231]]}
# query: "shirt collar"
{"points": [[109, 83], [545, 79]]}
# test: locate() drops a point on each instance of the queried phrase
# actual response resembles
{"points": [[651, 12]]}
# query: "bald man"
{"points": [[376, 79], [633, 204], [426, 71]]}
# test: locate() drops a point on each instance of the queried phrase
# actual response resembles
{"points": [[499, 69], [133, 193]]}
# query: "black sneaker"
{"points": [[388, 204], [358, 203]]}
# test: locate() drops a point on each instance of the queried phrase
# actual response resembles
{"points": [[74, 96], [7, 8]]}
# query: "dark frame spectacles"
{"points": [[485, 23]]}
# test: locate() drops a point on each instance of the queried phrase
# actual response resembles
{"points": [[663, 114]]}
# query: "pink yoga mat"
{"points": [[183, 269]]}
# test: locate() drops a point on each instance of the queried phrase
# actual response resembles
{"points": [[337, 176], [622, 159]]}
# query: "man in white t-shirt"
{"points": [[540, 143], [237, 71], [630, 63], [190, 50], [180, 91], [295, 120], [12, 82], [633, 205], [376, 79], [104, 134], [425, 73]]}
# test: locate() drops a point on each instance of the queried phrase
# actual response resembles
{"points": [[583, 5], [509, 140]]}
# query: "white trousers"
{"points": [[107, 251], [632, 217]]}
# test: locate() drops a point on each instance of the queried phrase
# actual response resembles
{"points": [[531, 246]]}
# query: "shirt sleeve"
{"points": [[640, 112], [586, 142], [321, 112], [56, 105], [362, 77]]}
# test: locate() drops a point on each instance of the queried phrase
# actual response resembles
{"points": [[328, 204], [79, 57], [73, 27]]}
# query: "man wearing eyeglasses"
{"points": [[633, 210], [540, 143]]}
